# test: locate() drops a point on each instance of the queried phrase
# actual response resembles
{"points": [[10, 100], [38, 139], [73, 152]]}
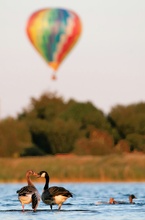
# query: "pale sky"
{"points": [[106, 67]]}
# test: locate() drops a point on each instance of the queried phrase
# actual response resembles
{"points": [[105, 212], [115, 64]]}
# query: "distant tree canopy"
{"points": [[130, 123], [14, 137], [49, 125], [55, 125]]}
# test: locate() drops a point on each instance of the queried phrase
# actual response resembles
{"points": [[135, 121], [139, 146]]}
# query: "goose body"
{"points": [[55, 194], [29, 194]]}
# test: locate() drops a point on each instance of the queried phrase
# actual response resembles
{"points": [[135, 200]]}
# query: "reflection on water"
{"points": [[89, 202]]}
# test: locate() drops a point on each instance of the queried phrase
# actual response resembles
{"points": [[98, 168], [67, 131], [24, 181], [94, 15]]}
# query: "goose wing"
{"points": [[26, 190], [56, 190], [35, 200]]}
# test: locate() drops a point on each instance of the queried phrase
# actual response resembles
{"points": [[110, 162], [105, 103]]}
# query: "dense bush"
{"points": [[123, 146], [99, 143], [15, 138]]}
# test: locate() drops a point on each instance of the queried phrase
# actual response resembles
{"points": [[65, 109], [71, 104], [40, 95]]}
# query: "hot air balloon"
{"points": [[54, 32]]}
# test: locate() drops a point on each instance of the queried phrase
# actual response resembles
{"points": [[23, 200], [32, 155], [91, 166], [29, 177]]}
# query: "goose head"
{"points": [[31, 173], [43, 174]]}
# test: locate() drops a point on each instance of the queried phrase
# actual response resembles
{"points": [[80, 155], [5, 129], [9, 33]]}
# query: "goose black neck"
{"points": [[46, 182]]}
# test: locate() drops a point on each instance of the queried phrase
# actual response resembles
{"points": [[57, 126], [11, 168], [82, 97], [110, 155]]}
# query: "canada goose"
{"points": [[55, 194], [29, 193]]}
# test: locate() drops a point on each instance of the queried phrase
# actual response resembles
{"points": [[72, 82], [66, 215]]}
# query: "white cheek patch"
{"points": [[43, 175]]}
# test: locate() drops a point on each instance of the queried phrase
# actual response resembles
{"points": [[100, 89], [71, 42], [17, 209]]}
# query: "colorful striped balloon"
{"points": [[54, 32]]}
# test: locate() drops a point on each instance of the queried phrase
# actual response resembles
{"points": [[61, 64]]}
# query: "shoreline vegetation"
{"points": [[71, 168]]}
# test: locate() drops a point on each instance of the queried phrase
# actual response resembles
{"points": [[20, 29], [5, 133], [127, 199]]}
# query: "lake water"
{"points": [[88, 202]]}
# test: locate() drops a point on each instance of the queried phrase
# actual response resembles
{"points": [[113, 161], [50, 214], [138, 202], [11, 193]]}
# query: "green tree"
{"points": [[56, 125], [14, 137], [129, 119], [85, 114], [130, 123], [47, 107], [62, 135], [136, 141]]}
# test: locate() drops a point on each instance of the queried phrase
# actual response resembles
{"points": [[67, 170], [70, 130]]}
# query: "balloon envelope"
{"points": [[54, 32]]}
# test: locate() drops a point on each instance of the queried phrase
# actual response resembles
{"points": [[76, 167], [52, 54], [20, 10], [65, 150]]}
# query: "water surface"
{"points": [[88, 202]]}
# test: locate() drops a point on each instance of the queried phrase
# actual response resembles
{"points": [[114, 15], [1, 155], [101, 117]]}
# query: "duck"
{"points": [[29, 194], [131, 197], [54, 195], [112, 201]]}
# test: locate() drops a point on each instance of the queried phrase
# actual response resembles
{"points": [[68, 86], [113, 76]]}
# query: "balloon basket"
{"points": [[53, 77]]}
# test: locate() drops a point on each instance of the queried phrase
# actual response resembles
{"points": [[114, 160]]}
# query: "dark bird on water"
{"points": [[131, 197]]}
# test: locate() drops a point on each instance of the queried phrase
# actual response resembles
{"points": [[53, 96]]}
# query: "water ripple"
{"points": [[89, 202]]}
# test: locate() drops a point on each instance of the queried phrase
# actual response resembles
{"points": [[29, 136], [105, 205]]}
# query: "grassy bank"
{"points": [[129, 167]]}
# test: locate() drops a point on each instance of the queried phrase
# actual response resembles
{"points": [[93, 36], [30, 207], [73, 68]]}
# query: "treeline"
{"points": [[50, 126]]}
